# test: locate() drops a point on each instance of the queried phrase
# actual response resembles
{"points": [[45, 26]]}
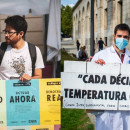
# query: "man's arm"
{"points": [[37, 75]]}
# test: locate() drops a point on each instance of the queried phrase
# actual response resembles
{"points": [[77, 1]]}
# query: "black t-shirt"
{"points": [[100, 42]]}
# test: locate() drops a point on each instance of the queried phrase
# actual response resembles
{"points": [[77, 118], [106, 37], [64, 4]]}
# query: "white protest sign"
{"points": [[96, 91]]}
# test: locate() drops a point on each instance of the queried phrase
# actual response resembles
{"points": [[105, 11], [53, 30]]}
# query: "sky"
{"points": [[71, 3]]}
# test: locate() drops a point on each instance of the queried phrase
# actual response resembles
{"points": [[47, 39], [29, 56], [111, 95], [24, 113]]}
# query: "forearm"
{"points": [[36, 77], [37, 74]]}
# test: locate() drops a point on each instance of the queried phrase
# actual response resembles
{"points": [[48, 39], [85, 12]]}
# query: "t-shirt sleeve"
{"points": [[39, 60]]}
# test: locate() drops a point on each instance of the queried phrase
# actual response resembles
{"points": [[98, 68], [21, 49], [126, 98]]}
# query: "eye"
{"points": [[126, 37], [119, 35]]}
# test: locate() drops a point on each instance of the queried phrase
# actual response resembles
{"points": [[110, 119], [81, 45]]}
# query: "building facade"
{"points": [[107, 14]]}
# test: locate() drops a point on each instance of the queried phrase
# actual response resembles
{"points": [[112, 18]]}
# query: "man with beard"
{"points": [[15, 54], [117, 53]]}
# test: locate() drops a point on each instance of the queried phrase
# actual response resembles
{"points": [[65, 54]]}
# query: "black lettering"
{"points": [[28, 98], [1, 99], [112, 80], [105, 94], [123, 96], [127, 80], [53, 96], [89, 94], [91, 79], [71, 93], [22, 99], [111, 95], [94, 94], [117, 97], [97, 78], [33, 99], [58, 97], [80, 76], [84, 78], [122, 80], [77, 93], [84, 92], [11, 99], [100, 95], [66, 90], [16, 98], [48, 97], [118, 80], [103, 79]]}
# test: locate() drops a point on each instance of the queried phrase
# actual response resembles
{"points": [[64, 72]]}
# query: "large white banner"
{"points": [[96, 91]]}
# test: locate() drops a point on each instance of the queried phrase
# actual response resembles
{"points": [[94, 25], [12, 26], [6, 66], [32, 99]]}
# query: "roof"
{"points": [[77, 4]]}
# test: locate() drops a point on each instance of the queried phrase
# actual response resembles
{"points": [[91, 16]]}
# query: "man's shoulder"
{"points": [[103, 54]]}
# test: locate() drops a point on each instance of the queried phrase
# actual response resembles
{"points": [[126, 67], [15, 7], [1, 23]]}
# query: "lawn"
{"points": [[73, 119]]}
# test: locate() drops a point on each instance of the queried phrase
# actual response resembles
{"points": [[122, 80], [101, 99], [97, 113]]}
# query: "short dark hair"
{"points": [[123, 27], [17, 22]]}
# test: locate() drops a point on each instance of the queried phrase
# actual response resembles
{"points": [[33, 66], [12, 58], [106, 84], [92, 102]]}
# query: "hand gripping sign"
{"points": [[104, 91]]}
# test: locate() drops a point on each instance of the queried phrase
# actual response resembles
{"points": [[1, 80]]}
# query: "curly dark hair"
{"points": [[17, 22], [123, 27]]}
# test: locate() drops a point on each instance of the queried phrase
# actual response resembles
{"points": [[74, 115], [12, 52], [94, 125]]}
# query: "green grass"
{"points": [[73, 119]]}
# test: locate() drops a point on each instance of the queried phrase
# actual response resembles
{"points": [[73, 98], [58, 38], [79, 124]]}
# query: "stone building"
{"points": [[107, 14]]}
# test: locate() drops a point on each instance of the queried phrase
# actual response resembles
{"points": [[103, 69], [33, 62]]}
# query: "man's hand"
{"points": [[25, 77], [100, 61]]}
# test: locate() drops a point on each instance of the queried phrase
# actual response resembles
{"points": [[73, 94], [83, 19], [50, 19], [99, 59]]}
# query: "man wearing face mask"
{"points": [[117, 53], [16, 55]]}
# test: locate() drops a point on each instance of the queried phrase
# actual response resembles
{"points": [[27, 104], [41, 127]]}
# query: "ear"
{"points": [[21, 33], [113, 36]]}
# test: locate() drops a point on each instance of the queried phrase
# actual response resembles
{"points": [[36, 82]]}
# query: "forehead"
{"points": [[8, 27], [122, 32]]}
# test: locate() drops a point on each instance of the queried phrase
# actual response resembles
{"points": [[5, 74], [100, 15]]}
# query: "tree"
{"points": [[66, 19]]}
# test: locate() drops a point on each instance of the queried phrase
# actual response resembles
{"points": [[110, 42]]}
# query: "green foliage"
{"points": [[66, 19]]}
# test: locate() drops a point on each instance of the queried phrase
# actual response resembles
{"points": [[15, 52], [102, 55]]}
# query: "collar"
{"points": [[114, 51]]}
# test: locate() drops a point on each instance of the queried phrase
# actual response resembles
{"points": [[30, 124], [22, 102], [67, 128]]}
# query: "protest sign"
{"points": [[31, 105], [50, 108], [96, 91], [3, 119], [22, 100]]}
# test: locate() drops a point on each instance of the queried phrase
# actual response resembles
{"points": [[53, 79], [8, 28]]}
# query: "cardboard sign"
{"points": [[96, 91], [22, 100]]}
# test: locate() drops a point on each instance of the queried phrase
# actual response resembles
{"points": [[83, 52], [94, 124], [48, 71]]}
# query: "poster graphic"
{"points": [[22, 100], [3, 119], [50, 105], [43, 127]]}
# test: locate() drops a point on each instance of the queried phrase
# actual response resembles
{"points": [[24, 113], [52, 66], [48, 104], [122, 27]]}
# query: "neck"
{"points": [[19, 44], [119, 51]]}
